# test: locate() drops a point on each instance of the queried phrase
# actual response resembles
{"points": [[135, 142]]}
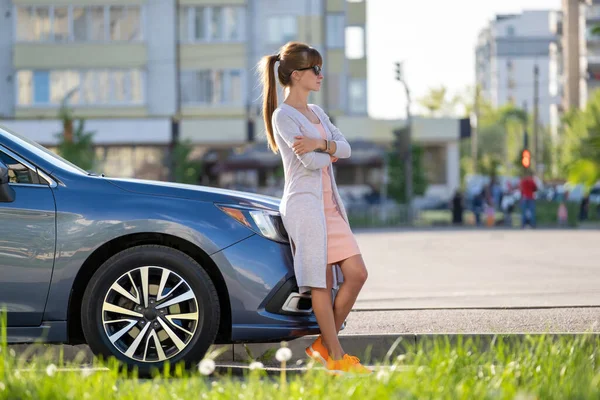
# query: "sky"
{"points": [[435, 38]]}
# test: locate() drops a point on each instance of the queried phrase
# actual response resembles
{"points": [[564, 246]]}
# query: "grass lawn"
{"points": [[538, 368]]}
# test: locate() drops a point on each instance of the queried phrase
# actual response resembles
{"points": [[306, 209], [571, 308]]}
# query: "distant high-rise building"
{"points": [[508, 51]]}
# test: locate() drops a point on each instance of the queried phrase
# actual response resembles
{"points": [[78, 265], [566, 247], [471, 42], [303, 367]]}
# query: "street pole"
{"points": [[525, 138], [474, 131], [408, 173], [384, 188], [536, 148], [324, 89], [176, 118], [409, 159]]}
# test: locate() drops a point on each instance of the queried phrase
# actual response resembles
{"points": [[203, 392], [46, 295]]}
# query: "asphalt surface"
{"points": [[480, 269], [553, 320]]}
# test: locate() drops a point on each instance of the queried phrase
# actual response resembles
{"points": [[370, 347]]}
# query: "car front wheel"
{"points": [[149, 305]]}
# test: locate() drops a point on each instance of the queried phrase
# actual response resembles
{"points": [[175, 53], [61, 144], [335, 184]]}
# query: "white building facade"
{"points": [[508, 52]]}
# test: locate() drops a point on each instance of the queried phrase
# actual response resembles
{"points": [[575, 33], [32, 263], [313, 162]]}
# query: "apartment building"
{"points": [[132, 67], [507, 54]]}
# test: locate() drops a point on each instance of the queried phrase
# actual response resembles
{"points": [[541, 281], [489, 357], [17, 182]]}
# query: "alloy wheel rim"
{"points": [[150, 314]]}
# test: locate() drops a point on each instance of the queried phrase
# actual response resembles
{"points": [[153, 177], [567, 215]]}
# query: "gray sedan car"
{"points": [[144, 271]]}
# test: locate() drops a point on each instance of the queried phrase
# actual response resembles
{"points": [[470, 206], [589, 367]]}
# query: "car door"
{"points": [[27, 242]]}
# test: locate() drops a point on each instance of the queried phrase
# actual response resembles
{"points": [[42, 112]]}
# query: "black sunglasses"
{"points": [[316, 69]]}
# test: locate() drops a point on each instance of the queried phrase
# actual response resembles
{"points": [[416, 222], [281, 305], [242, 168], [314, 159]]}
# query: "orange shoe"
{"points": [[348, 364], [318, 346]]}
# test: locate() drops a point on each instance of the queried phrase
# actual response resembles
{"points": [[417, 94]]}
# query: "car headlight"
{"points": [[266, 223]]}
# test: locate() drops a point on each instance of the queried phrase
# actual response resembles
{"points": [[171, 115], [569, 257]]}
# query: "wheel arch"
{"points": [[112, 247]]}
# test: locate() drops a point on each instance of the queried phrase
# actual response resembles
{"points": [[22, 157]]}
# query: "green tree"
{"points": [[396, 188], [579, 150], [187, 170], [75, 144], [438, 102]]}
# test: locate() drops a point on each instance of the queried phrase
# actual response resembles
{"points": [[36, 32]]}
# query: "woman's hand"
{"points": [[333, 159], [304, 145]]}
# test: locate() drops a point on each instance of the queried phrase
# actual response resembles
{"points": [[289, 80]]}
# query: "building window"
{"points": [[281, 29], [212, 87], [434, 164], [355, 42], [124, 23], [211, 24], [88, 87], [357, 94], [59, 24], [510, 30], [335, 30]]}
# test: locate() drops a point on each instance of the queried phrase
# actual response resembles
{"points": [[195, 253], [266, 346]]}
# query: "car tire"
{"points": [[122, 302]]}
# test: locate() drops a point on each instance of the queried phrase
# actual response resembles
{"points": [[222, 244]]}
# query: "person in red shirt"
{"points": [[528, 189]]}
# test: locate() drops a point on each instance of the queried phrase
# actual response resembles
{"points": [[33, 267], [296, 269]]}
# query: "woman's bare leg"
{"points": [[355, 275], [323, 309]]}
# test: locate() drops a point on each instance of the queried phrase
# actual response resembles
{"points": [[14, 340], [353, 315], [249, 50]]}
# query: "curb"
{"points": [[369, 348]]}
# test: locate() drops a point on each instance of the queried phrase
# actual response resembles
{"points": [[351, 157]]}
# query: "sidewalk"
{"points": [[371, 334]]}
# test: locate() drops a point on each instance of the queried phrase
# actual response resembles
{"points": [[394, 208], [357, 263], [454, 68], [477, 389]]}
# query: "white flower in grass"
{"points": [[382, 375], [256, 365], [283, 354], [2, 387], [206, 366], [12, 352], [85, 372], [401, 357], [51, 370]]}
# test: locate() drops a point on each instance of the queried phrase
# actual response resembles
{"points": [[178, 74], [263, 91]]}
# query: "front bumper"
{"points": [[259, 275]]}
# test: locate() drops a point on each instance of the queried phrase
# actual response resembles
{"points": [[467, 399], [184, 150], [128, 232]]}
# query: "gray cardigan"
{"points": [[301, 205]]}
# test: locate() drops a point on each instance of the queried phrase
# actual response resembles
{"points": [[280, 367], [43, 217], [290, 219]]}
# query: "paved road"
{"points": [[485, 268], [547, 320]]}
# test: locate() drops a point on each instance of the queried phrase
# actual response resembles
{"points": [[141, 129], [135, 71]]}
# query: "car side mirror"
{"points": [[7, 193]]}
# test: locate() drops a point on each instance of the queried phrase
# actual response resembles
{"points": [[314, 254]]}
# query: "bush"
{"points": [[547, 212]]}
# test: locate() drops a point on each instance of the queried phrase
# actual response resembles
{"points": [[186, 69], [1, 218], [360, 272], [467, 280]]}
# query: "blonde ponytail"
{"points": [[269, 96]]}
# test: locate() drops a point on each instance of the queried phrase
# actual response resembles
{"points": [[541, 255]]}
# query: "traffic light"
{"points": [[526, 158], [398, 71]]}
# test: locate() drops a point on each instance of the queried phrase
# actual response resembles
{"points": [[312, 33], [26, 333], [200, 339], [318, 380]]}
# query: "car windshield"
{"points": [[40, 150]]}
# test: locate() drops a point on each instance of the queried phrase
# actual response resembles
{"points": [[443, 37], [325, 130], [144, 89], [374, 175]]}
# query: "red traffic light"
{"points": [[526, 158]]}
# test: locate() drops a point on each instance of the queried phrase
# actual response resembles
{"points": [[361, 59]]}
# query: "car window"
{"points": [[17, 172], [40, 150]]}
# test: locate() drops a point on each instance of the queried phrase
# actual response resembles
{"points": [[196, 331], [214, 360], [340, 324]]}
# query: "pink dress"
{"points": [[341, 243]]}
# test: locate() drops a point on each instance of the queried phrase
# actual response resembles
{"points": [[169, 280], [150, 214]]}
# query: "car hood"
{"points": [[195, 192]]}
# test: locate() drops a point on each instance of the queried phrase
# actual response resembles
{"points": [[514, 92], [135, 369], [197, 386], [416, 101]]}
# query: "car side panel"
{"points": [[87, 218]]}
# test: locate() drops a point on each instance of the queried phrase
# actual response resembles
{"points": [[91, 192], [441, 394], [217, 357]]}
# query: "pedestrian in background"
{"points": [[528, 188], [457, 208], [563, 214], [478, 202]]}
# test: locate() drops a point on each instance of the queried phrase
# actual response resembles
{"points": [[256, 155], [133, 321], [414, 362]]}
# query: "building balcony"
{"points": [[592, 13], [556, 23], [593, 60]]}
